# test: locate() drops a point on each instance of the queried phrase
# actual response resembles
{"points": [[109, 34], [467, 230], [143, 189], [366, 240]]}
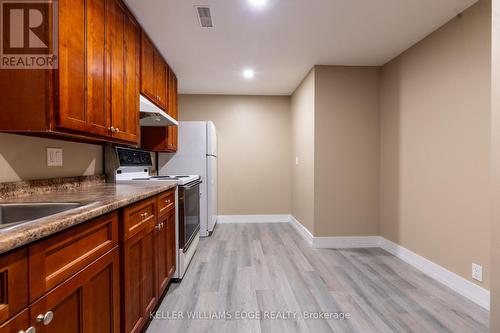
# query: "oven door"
{"points": [[189, 213]]}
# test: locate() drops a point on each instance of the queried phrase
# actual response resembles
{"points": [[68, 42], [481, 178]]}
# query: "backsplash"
{"points": [[29, 187], [25, 158]]}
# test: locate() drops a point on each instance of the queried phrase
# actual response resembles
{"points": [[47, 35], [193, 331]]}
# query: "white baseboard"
{"points": [[223, 219], [459, 284], [345, 242], [454, 281], [303, 231]]}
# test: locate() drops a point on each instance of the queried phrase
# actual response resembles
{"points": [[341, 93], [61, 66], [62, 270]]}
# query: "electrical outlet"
{"points": [[477, 272], [54, 157], [297, 161]]}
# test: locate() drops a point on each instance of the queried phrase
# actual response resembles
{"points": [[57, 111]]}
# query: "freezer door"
{"points": [[212, 193], [211, 139]]}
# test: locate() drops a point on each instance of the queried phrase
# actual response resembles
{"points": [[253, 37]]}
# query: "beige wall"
{"points": [[302, 106], [435, 145], [347, 151], [25, 157], [495, 157], [254, 150]]}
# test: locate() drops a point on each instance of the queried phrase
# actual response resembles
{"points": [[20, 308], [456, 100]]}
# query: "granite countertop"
{"points": [[101, 198]]}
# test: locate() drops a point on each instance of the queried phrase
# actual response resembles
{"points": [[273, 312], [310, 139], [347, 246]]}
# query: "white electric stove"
{"points": [[126, 165], [180, 179]]}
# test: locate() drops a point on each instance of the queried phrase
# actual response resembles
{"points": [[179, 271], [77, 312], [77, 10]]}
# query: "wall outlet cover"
{"points": [[477, 272], [54, 157]]}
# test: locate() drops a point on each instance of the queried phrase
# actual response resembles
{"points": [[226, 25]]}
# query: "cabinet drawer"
{"points": [[138, 216], [53, 260], [13, 283], [166, 202]]}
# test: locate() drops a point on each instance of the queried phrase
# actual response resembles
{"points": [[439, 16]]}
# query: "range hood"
{"points": [[151, 115]]}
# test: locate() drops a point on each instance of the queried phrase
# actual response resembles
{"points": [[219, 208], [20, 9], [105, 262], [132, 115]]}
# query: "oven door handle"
{"points": [[191, 185]]}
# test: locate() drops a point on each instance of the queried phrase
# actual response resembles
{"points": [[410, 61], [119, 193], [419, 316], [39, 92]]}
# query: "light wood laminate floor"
{"points": [[266, 269]]}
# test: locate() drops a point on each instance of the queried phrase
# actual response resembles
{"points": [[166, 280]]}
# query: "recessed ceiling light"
{"points": [[257, 3], [248, 73]]}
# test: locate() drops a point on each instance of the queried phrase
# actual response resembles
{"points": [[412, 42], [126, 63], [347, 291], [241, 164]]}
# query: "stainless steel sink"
{"points": [[14, 213]]}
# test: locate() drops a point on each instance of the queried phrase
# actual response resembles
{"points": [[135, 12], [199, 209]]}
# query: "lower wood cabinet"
{"points": [[86, 302], [58, 257], [148, 258], [13, 283], [165, 250], [138, 279], [103, 276], [17, 324]]}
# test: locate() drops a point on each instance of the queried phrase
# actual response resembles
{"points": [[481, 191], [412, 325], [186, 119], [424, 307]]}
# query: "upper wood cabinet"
{"points": [[124, 49], [160, 80], [172, 94], [147, 67], [153, 73], [94, 90], [82, 71], [164, 139]]}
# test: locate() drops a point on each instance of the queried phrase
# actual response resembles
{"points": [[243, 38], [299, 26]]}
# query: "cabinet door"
{"points": [[19, 323], [124, 40], [175, 112], [13, 283], [147, 67], [86, 302], [172, 131], [160, 72], [171, 246], [161, 239], [138, 279], [165, 250], [170, 91], [81, 86], [172, 137]]}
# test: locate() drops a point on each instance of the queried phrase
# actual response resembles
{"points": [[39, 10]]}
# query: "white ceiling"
{"points": [[284, 40]]}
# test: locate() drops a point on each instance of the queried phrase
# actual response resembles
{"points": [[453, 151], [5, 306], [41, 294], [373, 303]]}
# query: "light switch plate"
{"points": [[54, 157], [297, 161], [477, 272]]}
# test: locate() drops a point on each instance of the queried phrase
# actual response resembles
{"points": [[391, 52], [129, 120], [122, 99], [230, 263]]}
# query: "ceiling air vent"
{"points": [[204, 16]]}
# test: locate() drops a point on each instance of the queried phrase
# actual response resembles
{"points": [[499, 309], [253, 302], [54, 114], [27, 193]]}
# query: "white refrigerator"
{"points": [[196, 155]]}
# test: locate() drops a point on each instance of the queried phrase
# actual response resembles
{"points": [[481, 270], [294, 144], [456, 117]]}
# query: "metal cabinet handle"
{"points": [[46, 318], [112, 129], [31, 329], [157, 227], [144, 215], [167, 201], [117, 130]]}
